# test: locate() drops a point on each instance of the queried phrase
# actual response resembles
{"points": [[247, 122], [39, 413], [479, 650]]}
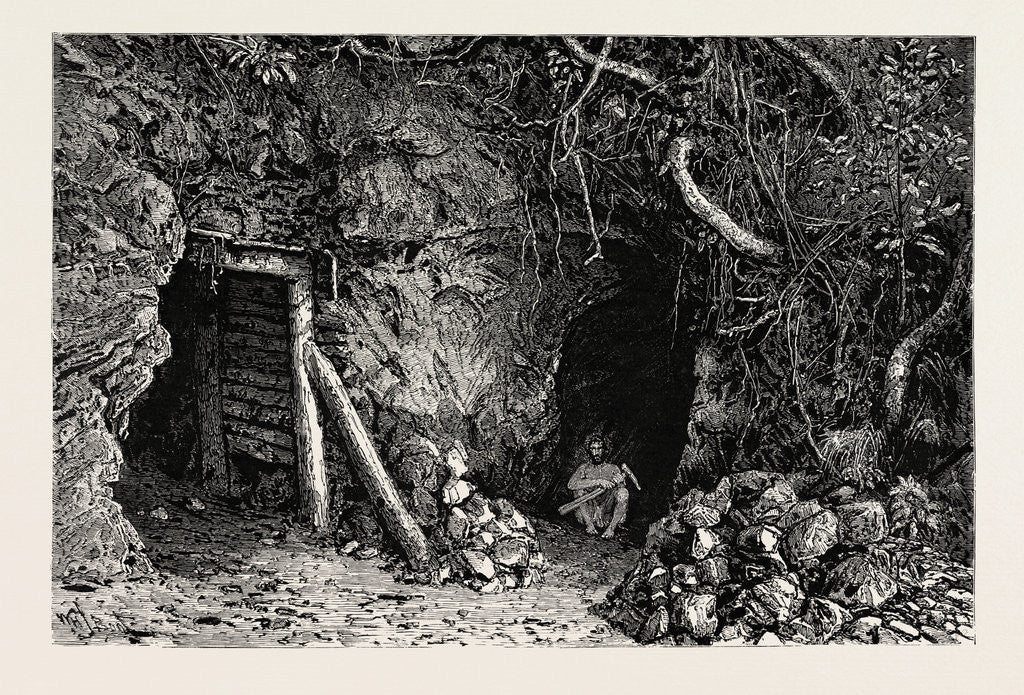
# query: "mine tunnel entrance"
{"points": [[253, 382], [626, 375]]}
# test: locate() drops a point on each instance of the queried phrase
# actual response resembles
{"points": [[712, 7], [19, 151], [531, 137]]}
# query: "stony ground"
{"points": [[229, 577]]}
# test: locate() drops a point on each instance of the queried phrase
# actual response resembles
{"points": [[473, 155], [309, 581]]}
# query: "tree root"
{"points": [[897, 373], [741, 239], [819, 71]]}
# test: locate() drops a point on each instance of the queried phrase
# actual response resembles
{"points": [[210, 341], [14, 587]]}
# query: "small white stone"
{"points": [[966, 630], [904, 628]]}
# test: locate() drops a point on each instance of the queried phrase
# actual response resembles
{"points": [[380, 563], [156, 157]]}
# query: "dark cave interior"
{"points": [[626, 375]]}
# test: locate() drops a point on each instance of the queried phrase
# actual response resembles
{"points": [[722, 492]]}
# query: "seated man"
{"points": [[608, 510]]}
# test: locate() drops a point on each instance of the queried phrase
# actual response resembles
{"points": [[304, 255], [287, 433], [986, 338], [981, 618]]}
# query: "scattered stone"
{"points": [[864, 629], [862, 523], [966, 630], [350, 547], [159, 513], [195, 504], [904, 629], [367, 553], [769, 639]]}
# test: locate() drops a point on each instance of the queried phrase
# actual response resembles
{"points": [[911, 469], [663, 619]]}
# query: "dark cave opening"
{"points": [[626, 374], [162, 423], [254, 383]]}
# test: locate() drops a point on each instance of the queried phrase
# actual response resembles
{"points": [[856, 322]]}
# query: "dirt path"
{"points": [[233, 578]]}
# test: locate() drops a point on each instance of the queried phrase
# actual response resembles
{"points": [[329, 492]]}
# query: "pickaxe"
{"points": [[594, 494]]}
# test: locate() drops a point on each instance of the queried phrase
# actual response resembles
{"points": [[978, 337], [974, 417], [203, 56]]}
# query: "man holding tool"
{"points": [[600, 491]]}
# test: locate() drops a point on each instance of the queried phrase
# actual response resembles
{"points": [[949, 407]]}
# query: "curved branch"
{"points": [[897, 373], [741, 239], [819, 71], [644, 77]]}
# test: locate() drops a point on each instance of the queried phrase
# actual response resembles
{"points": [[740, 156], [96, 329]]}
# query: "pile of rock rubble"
{"points": [[748, 562]]}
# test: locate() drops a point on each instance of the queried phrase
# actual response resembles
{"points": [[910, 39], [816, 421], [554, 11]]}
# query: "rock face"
{"points": [[117, 231], [438, 334], [730, 582]]}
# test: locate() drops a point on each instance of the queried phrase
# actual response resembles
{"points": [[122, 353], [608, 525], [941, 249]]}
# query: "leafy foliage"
{"points": [[913, 511], [261, 60]]}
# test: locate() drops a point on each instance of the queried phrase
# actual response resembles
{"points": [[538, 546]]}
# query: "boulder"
{"points": [[856, 581], [455, 492], [861, 523], [455, 460], [628, 618], [781, 597], [511, 552], [478, 563], [820, 620], [864, 629], [685, 575], [701, 515], [758, 568], [776, 499], [458, 524], [704, 541], [760, 538], [713, 570], [812, 537], [655, 627], [797, 513], [696, 614], [658, 579], [478, 510], [721, 497]]}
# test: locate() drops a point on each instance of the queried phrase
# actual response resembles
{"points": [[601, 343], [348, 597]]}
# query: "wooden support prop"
{"points": [[308, 435], [391, 511], [206, 379]]}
